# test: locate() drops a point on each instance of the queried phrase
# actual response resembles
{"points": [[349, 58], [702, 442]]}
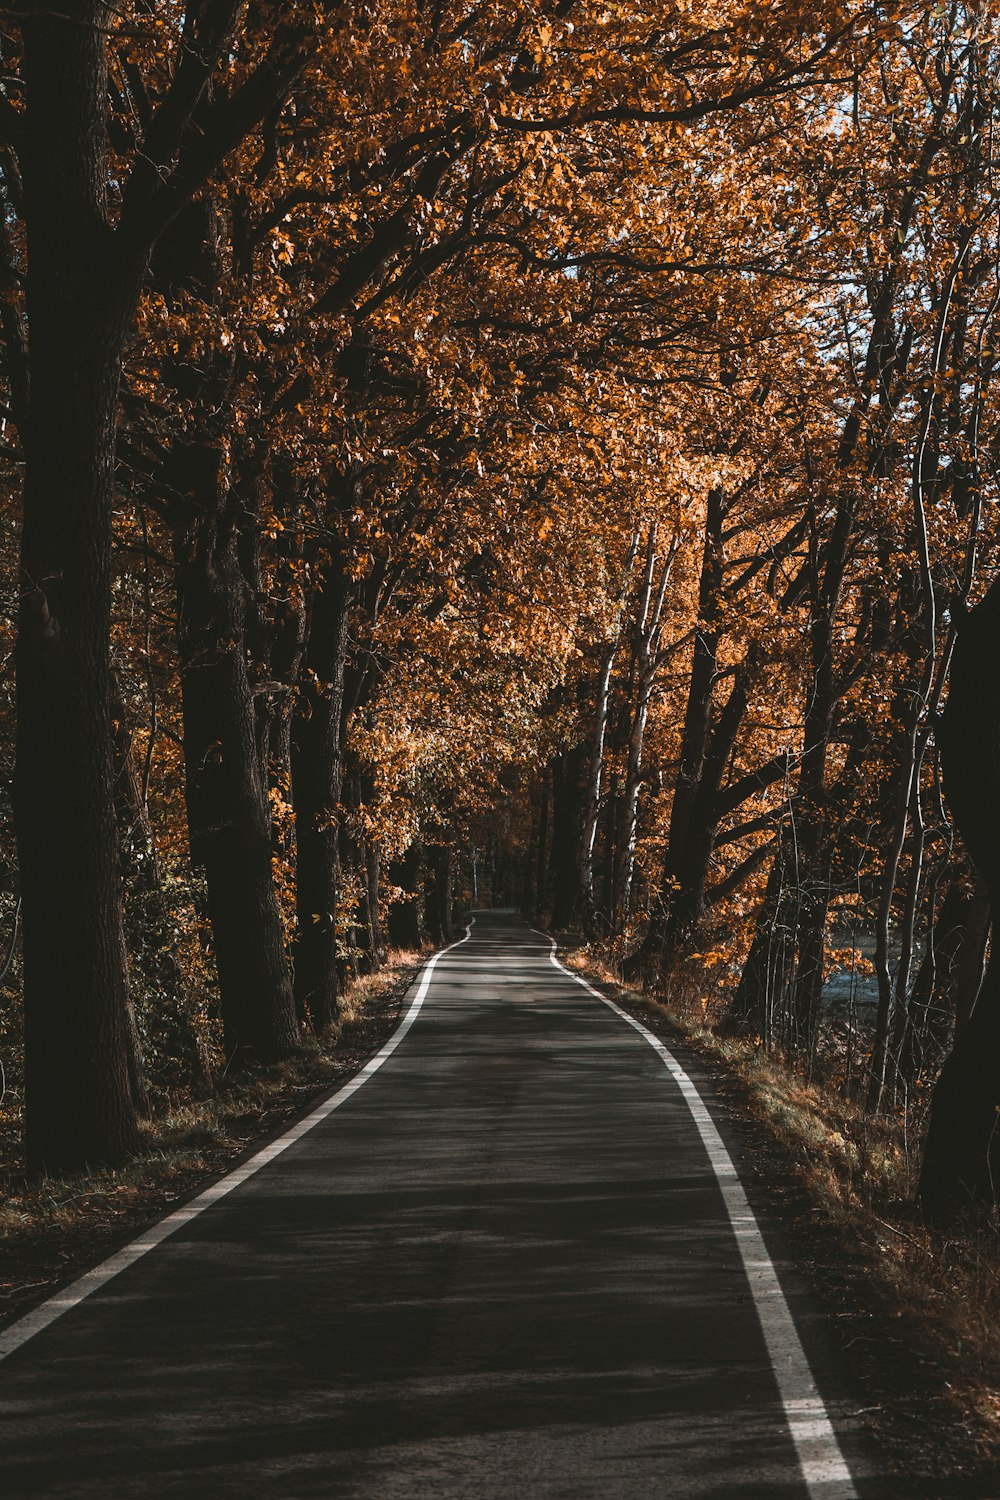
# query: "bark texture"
{"points": [[961, 1167], [229, 816], [81, 293]]}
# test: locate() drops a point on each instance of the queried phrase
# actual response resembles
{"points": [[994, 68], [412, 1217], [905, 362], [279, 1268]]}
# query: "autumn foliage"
{"points": [[533, 453]]}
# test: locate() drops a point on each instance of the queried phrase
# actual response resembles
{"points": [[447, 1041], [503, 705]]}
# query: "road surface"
{"points": [[502, 1267]]}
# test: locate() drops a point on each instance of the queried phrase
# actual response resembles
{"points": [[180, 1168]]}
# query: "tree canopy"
{"points": [[533, 452]]}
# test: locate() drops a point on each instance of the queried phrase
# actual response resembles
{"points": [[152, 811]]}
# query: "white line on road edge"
{"points": [[824, 1468], [91, 1281]]}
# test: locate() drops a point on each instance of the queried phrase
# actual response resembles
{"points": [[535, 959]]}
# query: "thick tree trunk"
{"points": [[229, 815], [961, 1165], [691, 860], [79, 1047], [317, 775]]}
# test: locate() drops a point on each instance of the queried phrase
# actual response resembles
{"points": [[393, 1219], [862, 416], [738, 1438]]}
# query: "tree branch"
{"points": [[739, 791], [207, 30], [743, 830], [743, 870], [225, 126], [390, 236]]}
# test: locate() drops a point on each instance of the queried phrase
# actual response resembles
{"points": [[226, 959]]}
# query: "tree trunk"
{"points": [[626, 819], [893, 1001], [690, 861], [695, 737], [961, 1165], [317, 775], [79, 1047], [229, 817], [628, 810], [692, 839]]}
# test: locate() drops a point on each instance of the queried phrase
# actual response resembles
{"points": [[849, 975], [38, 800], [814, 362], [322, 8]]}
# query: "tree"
{"points": [[84, 275]]}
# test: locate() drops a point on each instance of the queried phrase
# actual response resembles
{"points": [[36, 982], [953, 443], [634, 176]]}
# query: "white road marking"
{"points": [[823, 1466], [70, 1296], [824, 1469]]}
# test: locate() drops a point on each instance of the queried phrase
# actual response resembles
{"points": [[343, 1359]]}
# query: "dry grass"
{"points": [[52, 1227], [859, 1174]]}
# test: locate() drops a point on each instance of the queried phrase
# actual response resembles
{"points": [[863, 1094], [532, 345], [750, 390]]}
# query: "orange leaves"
{"points": [[585, 275]]}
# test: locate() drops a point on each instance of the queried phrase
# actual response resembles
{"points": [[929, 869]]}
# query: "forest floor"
{"points": [[53, 1230], [916, 1314]]}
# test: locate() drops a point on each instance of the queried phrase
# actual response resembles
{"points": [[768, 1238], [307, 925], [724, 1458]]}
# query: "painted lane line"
{"points": [[823, 1466], [84, 1286]]}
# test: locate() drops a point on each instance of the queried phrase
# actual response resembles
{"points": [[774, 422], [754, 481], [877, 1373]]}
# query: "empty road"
{"points": [[502, 1266]]}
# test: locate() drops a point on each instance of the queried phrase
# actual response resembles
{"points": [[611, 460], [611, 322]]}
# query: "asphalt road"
{"points": [[502, 1268]]}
